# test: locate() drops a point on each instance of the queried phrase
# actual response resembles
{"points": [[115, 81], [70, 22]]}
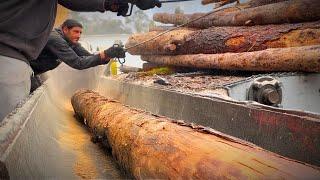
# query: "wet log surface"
{"points": [[149, 146], [305, 58], [226, 39], [293, 11]]}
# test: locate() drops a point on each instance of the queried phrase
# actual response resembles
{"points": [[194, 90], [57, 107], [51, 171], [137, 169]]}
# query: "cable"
{"points": [[167, 31]]}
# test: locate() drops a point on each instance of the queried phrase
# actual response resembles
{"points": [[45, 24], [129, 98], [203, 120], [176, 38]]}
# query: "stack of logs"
{"points": [[266, 35]]}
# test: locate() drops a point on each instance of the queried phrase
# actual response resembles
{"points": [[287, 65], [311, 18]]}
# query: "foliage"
{"points": [[98, 24]]}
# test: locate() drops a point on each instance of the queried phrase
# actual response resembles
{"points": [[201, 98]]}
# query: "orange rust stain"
{"points": [[236, 41], [305, 37]]}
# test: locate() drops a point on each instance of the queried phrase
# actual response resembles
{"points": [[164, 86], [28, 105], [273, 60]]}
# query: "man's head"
{"points": [[72, 30]]}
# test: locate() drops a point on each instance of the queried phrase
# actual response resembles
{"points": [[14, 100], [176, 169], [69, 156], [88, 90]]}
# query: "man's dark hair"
{"points": [[70, 23]]}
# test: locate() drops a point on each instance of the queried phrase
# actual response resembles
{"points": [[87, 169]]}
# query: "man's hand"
{"points": [[115, 52], [147, 4], [117, 6], [123, 9]]}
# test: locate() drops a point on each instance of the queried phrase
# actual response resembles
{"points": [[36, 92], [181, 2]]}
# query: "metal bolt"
{"points": [[271, 96]]}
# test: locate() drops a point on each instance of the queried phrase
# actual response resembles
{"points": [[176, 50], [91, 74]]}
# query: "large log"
{"points": [[305, 58], [205, 2], [176, 19], [226, 39], [161, 28], [256, 3], [152, 147], [218, 2], [168, 28], [252, 3], [293, 11]]}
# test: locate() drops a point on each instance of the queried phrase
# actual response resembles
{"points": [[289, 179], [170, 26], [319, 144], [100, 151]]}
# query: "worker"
{"points": [[25, 26], [63, 46]]}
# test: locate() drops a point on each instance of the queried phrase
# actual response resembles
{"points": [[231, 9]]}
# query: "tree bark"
{"points": [[205, 2], [166, 28], [176, 19], [152, 147], [293, 11], [128, 69], [306, 58], [219, 2], [226, 39], [161, 28], [256, 3]]}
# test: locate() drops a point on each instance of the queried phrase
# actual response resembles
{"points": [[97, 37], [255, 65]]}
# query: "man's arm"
{"points": [[66, 54], [83, 5], [108, 5]]}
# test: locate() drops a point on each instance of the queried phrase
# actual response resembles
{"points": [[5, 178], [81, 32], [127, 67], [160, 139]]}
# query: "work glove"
{"points": [[147, 4], [115, 52], [119, 6], [123, 9]]}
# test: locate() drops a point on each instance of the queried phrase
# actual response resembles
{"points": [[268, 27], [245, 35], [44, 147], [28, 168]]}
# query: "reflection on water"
{"points": [[105, 41]]}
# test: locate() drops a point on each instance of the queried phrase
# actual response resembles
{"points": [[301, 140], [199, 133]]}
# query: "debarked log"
{"points": [[305, 58], [226, 39], [293, 11], [149, 146]]}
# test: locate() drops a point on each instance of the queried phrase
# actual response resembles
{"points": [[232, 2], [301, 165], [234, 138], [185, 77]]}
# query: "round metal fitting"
{"points": [[265, 90]]}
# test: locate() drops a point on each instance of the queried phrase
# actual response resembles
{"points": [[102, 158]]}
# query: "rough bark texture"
{"points": [[155, 147], [166, 28], [226, 39], [205, 2], [219, 2], [181, 18], [256, 3], [161, 28], [176, 19], [306, 58], [293, 11]]}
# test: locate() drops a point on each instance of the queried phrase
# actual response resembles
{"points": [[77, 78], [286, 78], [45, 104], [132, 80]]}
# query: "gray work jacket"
{"points": [[26, 24], [60, 49]]}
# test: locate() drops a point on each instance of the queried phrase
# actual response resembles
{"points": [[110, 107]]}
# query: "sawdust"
{"points": [[74, 138]]}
